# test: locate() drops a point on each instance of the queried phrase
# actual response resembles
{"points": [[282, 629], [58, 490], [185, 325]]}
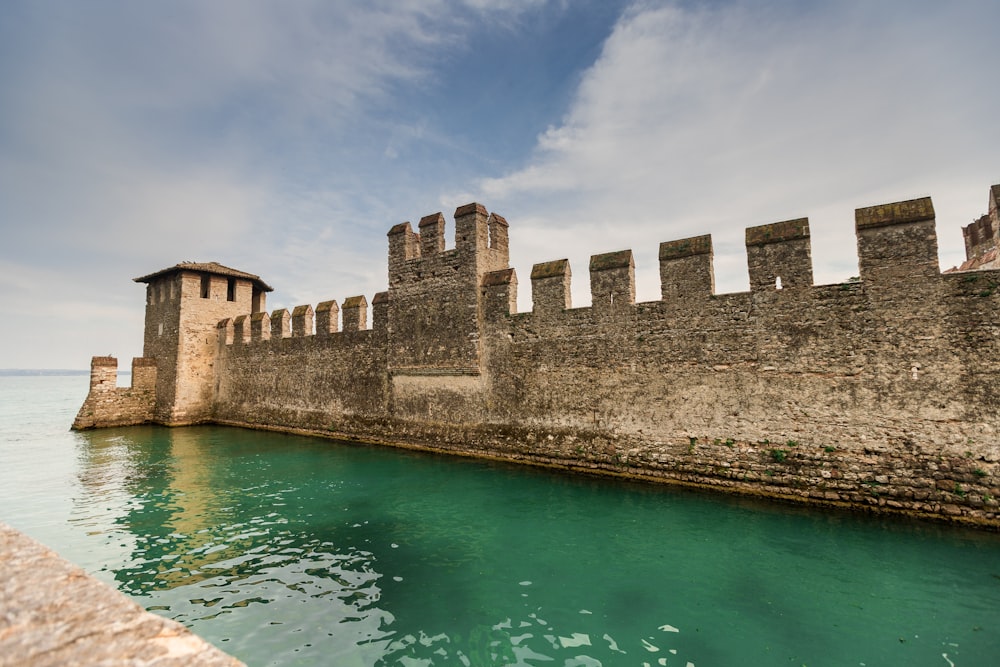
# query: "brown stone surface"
{"points": [[107, 404], [981, 237], [53, 613], [183, 306], [777, 232], [914, 210], [696, 245]]}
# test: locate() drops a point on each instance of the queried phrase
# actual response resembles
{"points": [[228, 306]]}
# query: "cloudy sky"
{"points": [[286, 138]]}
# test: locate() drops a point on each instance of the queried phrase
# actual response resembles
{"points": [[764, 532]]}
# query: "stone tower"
{"points": [[982, 237], [184, 304], [435, 303]]}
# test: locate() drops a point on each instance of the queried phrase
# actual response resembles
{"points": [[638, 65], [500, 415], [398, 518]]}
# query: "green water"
{"points": [[288, 550]]}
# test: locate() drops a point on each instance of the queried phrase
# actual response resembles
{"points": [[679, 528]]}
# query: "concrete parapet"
{"points": [[686, 268], [779, 255], [54, 613]]}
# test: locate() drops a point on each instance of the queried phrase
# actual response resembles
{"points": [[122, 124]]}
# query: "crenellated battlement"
{"points": [[550, 287], [303, 321], [438, 298], [281, 324], [982, 237], [893, 372], [499, 291], [481, 246], [686, 269], [434, 307], [612, 283], [355, 313], [327, 313], [779, 255], [896, 242], [107, 404]]}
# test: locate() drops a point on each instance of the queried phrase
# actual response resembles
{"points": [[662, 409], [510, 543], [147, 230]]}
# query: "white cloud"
{"points": [[709, 119], [60, 320], [136, 135], [280, 137]]}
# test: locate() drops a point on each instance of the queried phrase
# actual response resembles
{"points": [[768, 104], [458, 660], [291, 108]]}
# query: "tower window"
{"points": [[231, 289], [206, 286]]}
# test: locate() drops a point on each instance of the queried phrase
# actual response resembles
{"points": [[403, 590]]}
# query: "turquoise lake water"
{"points": [[286, 550]]}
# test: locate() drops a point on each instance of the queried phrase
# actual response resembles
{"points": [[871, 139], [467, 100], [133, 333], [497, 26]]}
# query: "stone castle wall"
{"points": [[285, 378], [107, 404], [879, 392], [183, 306]]}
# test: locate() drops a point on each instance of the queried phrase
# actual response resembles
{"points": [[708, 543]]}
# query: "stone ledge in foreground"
{"points": [[54, 613]]}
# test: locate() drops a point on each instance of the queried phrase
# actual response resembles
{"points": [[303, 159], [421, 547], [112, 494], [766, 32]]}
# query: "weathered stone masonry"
{"points": [[880, 392], [107, 404], [55, 614]]}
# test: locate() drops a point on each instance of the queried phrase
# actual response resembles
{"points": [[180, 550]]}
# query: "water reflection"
{"points": [[528, 641], [287, 550], [210, 522]]}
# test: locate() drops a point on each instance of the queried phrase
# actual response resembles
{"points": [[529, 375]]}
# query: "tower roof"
{"points": [[206, 267]]}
